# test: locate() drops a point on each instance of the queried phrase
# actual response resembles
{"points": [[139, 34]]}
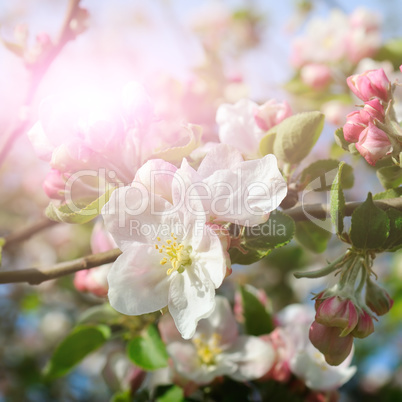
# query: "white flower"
{"points": [[216, 349]]}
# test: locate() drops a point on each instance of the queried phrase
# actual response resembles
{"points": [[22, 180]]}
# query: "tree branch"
{"points": [[321, 211], [35, 276], [26, 233]]}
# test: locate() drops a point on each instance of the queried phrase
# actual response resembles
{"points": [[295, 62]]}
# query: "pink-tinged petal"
{"points": [[329, 342], [157, 176], [237, 127], [221, 322], [253, 358], [101, 239], [40, 141], [354, 126], [184, 356], [271, 113], [371, 84], [211, 256], [373, 144], [317, 76], [130, 215], [310, 366], [191, 298], [54, 185], [246, 195], [365, 326], [138, 283], [222, 156]]}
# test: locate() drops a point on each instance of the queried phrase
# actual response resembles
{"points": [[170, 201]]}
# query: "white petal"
{"points": [[191, 298], [138, 284], [220, 157], [221, 322], [130, 215], [210, 256], [247, 194], [253, 357]]}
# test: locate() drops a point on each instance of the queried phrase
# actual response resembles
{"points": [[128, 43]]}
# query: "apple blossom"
{"points": [[373, 144], [315, 75], [244, 124], [371, 84], [217, 349], [302, 358], [377, 299]]}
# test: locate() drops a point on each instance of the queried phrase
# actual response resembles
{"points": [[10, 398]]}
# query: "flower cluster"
{"points": [[373, 129], [333, 43], [341, 312]]}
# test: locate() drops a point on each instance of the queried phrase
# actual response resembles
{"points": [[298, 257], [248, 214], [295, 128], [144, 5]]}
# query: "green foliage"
{"points": [[101, 314], [394, 240], [391, 51], [390, 176], [311, 236], [337, 201], [370, 226], [257, 320], [392, 193], [171, 393], [122, 396], [79, 213], [2, 243], [258, 241], [82, 341], [148, 350], [294, 137], [325, 166]]}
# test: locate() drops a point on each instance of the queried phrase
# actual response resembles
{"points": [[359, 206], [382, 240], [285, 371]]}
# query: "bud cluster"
{"points": [[341, 311], [373, 129]]}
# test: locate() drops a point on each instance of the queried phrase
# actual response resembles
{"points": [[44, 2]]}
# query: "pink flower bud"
{"points": [[271, 113], [355, 124], [317, 76], [373, 144], [329, 342], [337, 312], [54, 185], [365, 326], [370, 84], [377, 299], [373, 109]]}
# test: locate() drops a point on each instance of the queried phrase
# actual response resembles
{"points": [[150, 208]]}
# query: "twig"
{"points": [[37, 72], [35, 276], [321, 211], [26, 233]]}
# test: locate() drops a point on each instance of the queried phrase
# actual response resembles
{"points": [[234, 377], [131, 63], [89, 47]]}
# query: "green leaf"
{"points": [[337, 200], [102, 314], [171, 393], [370, 226], [79, 212], [394, 240], [390, 176], [391, 51], [259, 241], [82, 341], [323, 168], [148, 350], [295, 136], [311, 236], [393, 193], [267, 143], [122, 396], [340, 139], [257, 321]]}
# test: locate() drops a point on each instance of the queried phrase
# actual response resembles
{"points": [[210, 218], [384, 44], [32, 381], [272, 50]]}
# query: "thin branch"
{"points": [[37, 72], [26, 233], [321, 211], [35, 276]]}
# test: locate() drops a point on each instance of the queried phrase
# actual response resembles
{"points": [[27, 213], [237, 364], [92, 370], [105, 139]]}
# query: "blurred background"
{"points": [[191, 57]]}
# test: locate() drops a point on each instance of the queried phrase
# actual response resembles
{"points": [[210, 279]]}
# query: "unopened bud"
{"points": [[377, 299]]}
